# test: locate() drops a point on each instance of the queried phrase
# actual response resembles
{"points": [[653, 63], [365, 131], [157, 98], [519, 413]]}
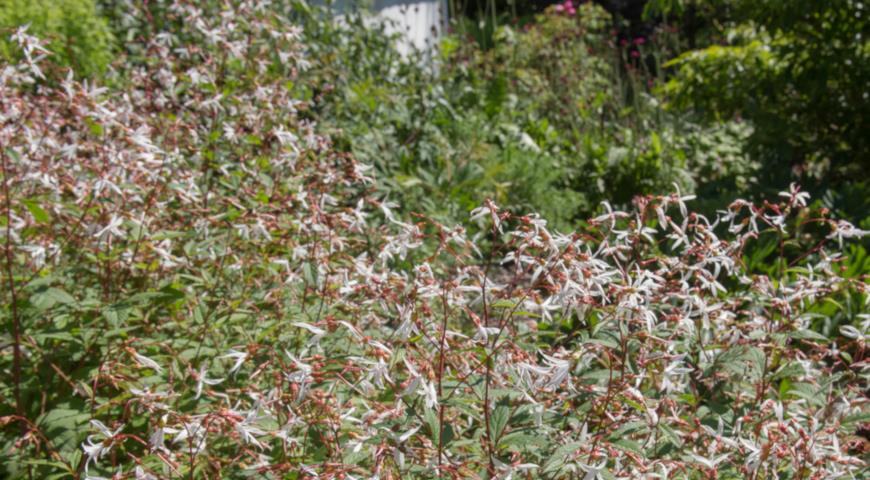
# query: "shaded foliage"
{"points": [[798, 70]]}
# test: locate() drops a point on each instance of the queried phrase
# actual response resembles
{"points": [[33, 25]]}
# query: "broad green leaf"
{"points": [[39, 214], [498, 420]]}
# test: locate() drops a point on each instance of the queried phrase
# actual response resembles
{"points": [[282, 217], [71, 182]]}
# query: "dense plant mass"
{"points": [[799, 71], [204, 277], [545, 120]]}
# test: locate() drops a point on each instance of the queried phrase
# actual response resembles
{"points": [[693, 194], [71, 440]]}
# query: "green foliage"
{"points": [[76, 33], [201, 279], [441, 141], [719, 164], [566, 76], [798, 70], [551, 118]]}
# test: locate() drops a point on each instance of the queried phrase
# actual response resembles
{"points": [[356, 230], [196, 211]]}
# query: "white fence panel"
{"points": [[421, 23]]}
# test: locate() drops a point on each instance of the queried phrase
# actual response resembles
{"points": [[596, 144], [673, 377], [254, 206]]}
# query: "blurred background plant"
{"points": [[554, 116], [558, 107], [798, 71], [78, 35]]}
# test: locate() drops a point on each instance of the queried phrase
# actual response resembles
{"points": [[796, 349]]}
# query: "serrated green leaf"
{"points": [[804, 334], [560, 457], [498, 420]]}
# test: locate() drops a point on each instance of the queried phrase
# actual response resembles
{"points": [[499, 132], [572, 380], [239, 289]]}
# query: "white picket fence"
{"points": [[420, 22]]}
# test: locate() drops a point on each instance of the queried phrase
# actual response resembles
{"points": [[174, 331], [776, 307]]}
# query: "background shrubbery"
{"points": [[552, 118], [798, 72]]}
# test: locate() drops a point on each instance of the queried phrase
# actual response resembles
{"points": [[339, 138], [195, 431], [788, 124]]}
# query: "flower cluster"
{"points": [[566, 8], [202, 286]]}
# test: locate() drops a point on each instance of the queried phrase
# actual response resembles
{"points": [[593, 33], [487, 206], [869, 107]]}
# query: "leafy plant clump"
{"points": [[551, 118], [798, 70], [197, 284]]}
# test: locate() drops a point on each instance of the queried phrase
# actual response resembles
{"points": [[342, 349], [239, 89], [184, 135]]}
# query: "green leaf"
{"points": [[39, 214], [559, 458], [789, 370], [804, 334], [857, 418], [670, 434], [52, 464], [504, 304], [607, 342], [629, 427], [407, 181], [65, 427], [807, 391], [64, 336], [60, 296], [656, 143], [432, 421], [784, 387], [757, 361], [498, 420], [309, 273], [50, 297], [516, 441], [629, 445]]}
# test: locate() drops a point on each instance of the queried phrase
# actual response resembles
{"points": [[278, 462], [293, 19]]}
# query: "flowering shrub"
{"points": [[199, 286], [566, 7]]}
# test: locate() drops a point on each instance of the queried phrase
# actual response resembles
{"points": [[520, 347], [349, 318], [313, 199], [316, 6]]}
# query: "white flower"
{"points": [[844, 229], [37, 253], [610, 215], [111, 230], [240, 359], [156, 440], [593, 472], [147, 362], [302, 376], [851, 332], [674, 372], [141, 474], [753, 460], [507, 471], [97, 445], [317, 333], [405, 436], [201, 380], [681, 200], [490, 208], [795, 196], [248, 432], [430, 395], [709, 462]]}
